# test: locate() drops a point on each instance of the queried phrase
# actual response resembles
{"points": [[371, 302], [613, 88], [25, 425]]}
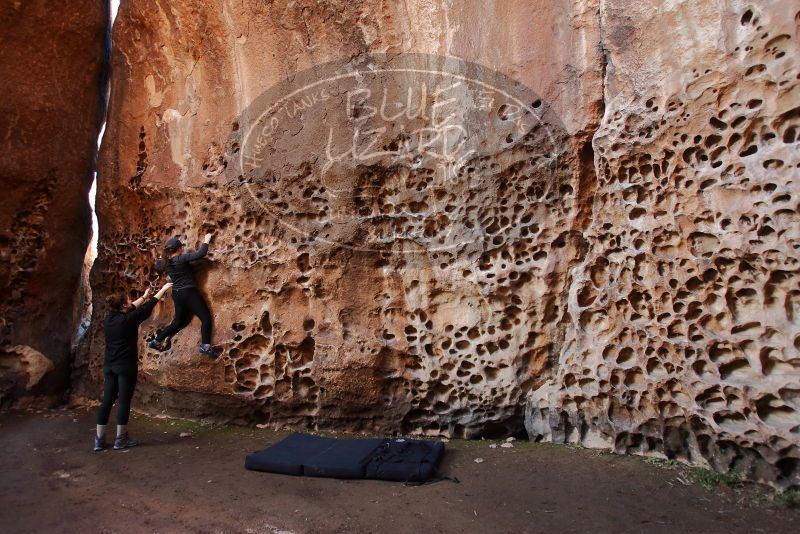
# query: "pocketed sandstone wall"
{"points": [[639, 293], [685, 335], [351, 331]]}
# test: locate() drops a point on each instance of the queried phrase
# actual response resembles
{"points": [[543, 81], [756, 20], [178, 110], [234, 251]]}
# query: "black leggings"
{"points": [[116, 385], [188, 303]]}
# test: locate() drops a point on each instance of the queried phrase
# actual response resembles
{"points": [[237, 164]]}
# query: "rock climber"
{"points": [[121, 362], [189, 302]]}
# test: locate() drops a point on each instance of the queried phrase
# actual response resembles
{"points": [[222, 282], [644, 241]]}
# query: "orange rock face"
{"points": [[457, 219], [353, 291], [50, 113]]}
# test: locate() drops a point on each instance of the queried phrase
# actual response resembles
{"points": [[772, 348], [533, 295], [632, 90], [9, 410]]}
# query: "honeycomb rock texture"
{"points": [[50, 113], [625, 271], [351, 331], [684, 334]]}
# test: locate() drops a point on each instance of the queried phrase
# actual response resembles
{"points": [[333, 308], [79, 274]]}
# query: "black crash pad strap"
{"points": [[405, 460], [342, 459]]}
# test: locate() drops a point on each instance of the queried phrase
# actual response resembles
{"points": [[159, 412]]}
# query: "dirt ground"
{"points": [[51, 481]]}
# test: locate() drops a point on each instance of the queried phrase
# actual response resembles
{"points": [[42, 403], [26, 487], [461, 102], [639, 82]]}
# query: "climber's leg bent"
{"points": [[183, 316], [197, 305], [200, 309]]}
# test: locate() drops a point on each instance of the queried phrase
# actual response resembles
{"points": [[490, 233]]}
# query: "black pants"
{"points": [[116, 385], [188, 303]]}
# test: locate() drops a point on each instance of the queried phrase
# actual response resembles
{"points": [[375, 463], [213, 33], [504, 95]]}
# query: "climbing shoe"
{"points": [[99, 444], [124, 442], [157, 345], [208, 350]]}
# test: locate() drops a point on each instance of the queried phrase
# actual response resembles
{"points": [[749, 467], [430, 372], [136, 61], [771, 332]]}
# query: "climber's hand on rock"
{"points": [[207, 239], [147, 292]]}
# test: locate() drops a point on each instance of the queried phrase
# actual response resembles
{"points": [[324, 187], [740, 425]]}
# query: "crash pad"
{"points": [[398, 459]]}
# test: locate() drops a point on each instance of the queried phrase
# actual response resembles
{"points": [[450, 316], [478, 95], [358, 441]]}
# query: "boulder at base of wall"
{"points": [[21, 369]]}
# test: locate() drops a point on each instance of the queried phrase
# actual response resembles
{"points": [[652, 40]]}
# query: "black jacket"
{"points": [[122, 332], [180, 271]]}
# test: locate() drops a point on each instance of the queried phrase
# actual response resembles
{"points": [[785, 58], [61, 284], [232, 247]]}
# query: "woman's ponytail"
{"points": [[161, 262], [173, 245]]}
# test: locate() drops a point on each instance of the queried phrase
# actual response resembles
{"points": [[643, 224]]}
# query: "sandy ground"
{"points": [[51, 481]]}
